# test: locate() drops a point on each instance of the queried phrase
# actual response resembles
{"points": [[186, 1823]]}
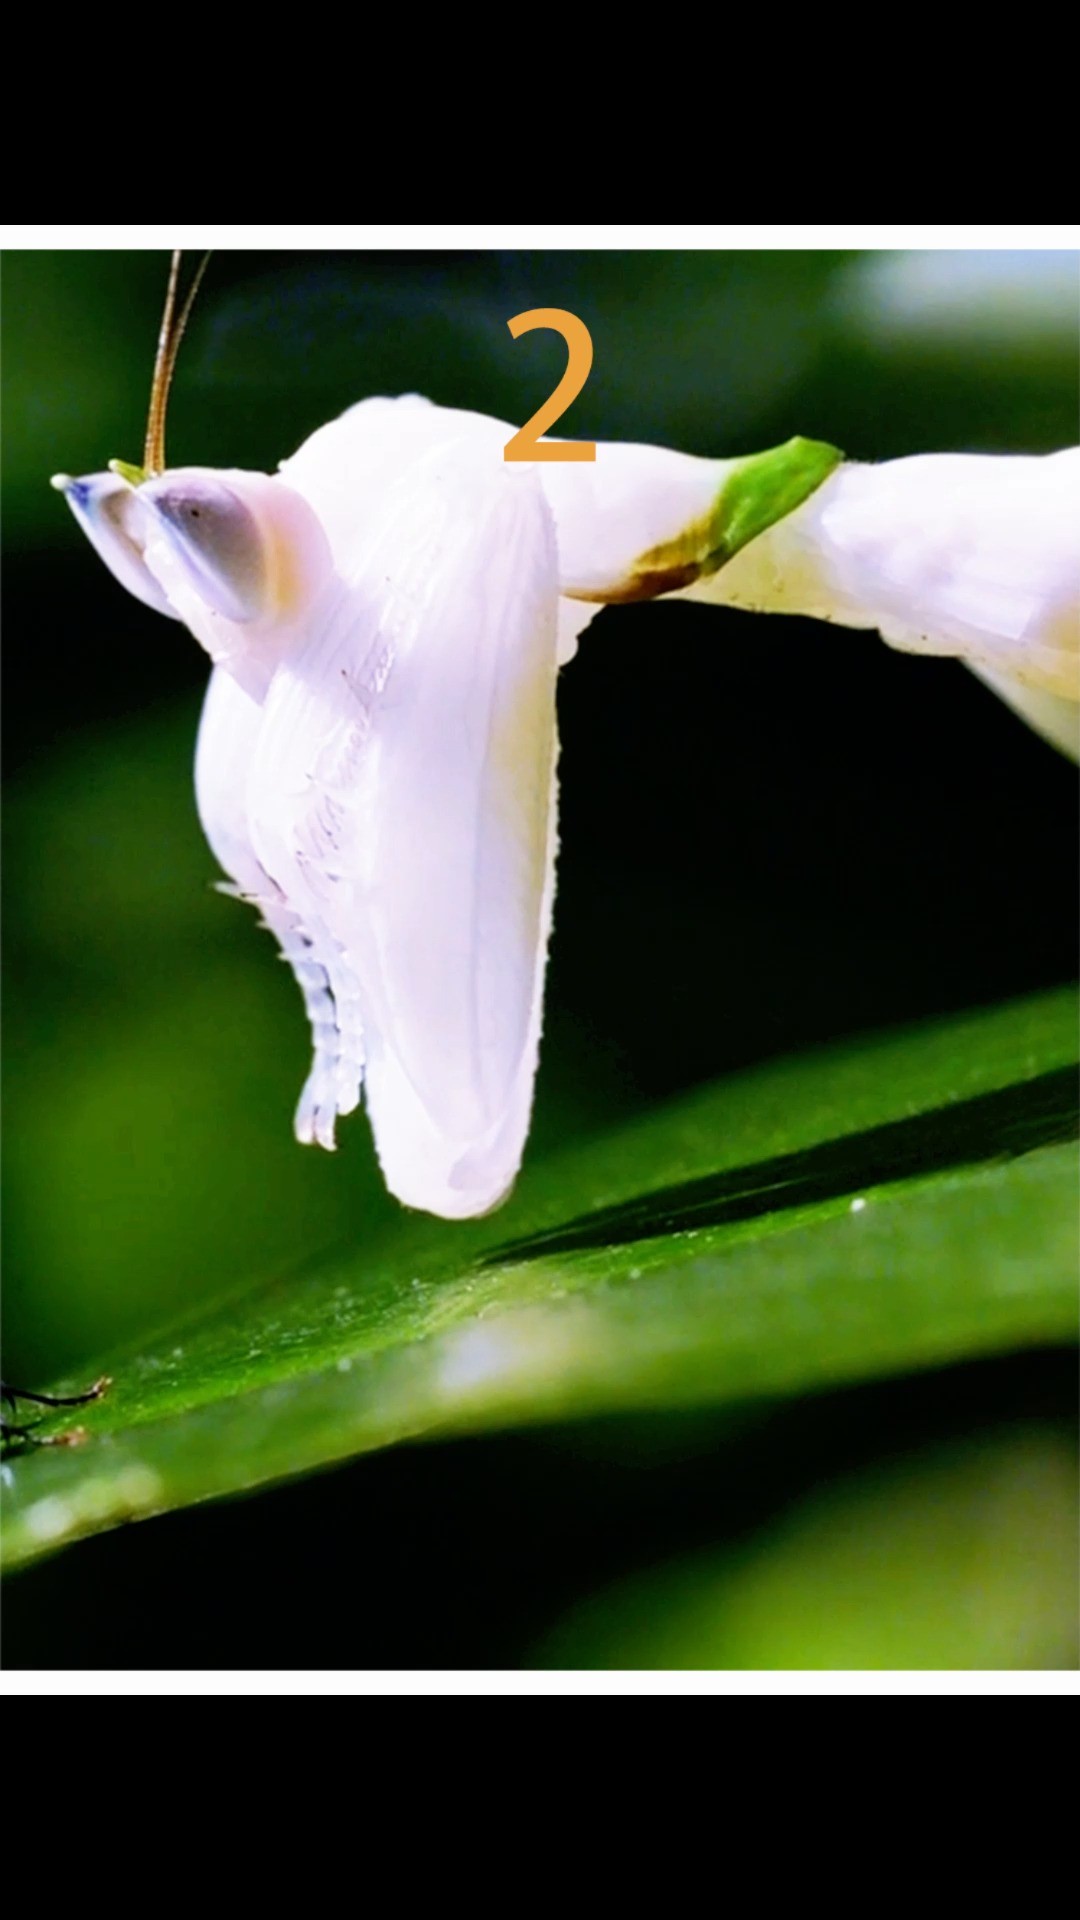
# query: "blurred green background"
{"points": [[773, 834]]}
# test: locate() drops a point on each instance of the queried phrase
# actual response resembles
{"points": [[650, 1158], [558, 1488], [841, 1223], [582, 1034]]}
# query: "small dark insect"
{"points": [[10, 1396]]}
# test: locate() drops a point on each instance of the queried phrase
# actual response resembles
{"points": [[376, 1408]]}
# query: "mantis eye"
{"points": [[215, 540], [105, 506]]}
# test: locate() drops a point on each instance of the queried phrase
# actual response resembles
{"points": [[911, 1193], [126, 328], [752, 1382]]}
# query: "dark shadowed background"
{"points": [[773, 834]]}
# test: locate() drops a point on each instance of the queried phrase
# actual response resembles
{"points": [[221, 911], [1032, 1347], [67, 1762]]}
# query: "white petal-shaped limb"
{"points": [[976, 555], [228, 732], [401, 796], [343, 471]]}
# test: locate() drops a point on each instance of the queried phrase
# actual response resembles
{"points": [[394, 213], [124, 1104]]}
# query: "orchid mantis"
{"points": [[386, 617]]}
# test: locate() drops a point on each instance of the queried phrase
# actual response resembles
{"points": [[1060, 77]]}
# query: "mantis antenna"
{"points": [[168, 346]]}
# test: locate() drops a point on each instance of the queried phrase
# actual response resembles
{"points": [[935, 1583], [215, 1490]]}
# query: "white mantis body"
{"points": [[376, 761]]}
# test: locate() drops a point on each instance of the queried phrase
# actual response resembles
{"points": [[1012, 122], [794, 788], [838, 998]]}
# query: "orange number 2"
{"points": [[526, 444]]}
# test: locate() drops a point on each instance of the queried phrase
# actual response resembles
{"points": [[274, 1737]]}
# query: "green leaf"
{"points": [[899, 1203]]}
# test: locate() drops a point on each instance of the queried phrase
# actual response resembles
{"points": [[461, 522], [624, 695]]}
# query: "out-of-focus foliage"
{"points": [[773, 836], [956, 1559]]}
